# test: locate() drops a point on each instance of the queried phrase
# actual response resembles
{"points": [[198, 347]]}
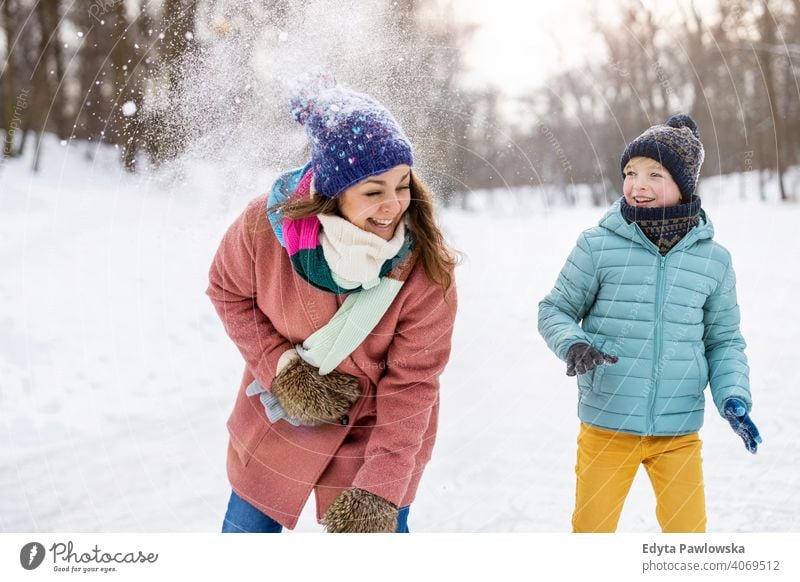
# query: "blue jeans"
{"points": [[242, 517]]}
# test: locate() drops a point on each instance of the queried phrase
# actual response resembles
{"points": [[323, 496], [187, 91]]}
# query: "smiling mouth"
{"points": [[381, 223], [642, 199]]}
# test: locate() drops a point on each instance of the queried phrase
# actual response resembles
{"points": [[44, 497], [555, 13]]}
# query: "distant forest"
{"points": [[117, 72]]}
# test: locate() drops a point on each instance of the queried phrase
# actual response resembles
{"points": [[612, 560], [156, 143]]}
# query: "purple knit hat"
{"points": [[352, 135]]}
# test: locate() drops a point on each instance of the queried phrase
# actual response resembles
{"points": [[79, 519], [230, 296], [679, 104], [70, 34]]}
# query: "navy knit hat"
{"points": [[676, 146], [352, 135]]}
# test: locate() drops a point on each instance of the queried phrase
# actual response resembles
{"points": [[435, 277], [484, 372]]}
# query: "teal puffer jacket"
{"points": [[672, 321]]}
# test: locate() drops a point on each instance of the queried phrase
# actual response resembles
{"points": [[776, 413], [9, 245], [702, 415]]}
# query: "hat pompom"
{"points": [[305, 91], [351, 135], [683, 120]]}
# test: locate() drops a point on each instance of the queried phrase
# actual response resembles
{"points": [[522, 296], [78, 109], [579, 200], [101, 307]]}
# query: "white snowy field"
{"points": [[116, 376]]}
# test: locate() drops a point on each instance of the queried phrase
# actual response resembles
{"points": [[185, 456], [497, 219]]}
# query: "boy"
{"points": [[656, 298]]}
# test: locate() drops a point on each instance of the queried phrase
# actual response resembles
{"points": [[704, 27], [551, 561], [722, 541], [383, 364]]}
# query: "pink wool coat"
{"points": [[385, 441]]}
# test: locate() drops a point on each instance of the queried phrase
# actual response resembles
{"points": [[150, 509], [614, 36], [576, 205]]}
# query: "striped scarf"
{"points": [[300, 237], [363, 308]]}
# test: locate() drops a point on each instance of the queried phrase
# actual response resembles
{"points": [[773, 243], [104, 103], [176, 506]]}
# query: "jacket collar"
{"points": [[614, 221]]}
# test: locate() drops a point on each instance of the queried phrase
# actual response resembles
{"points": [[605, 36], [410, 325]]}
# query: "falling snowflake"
{"points": [[129, 108]]}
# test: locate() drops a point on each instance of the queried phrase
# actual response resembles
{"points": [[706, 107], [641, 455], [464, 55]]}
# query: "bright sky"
{"points": [[521, 43]]}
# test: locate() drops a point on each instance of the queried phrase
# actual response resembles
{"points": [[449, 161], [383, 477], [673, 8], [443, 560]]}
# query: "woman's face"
{"points": [[647, 183], [378, 203]]}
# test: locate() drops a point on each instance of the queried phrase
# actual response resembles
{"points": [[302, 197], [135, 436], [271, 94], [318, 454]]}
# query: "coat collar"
{"points": [[614, 221]]}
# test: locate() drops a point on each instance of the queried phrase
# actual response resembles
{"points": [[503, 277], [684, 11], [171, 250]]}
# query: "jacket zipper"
{"points": [[657, 334], [657, 340]]}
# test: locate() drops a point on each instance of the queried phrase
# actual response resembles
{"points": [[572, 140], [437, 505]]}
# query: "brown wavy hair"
{"points": [[438, 258]]}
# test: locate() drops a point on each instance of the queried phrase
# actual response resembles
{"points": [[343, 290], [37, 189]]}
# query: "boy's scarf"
{"points": [[665, 227], [363, 308]]}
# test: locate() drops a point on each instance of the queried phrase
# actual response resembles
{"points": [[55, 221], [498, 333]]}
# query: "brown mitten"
{"points": [[357, 511], [312, 399]]}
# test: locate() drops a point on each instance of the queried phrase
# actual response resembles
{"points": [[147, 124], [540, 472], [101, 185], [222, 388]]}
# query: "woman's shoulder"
{"points": [[256, 208], [253, 224], [421, 293]]}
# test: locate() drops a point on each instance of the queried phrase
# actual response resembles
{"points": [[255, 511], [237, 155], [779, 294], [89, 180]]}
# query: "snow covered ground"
{"points": [[116, 377]]}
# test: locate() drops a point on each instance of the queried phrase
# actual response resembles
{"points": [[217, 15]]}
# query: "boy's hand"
{"points": [[736, 413], [582, 358]]}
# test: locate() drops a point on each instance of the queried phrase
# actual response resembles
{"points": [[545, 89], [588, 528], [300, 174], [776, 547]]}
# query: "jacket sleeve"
{"points": [[232, 289], [569, 301], [407, 393], [728, 371]]}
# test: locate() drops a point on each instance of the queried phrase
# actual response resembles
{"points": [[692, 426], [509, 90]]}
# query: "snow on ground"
{"points": [[116, 376]]}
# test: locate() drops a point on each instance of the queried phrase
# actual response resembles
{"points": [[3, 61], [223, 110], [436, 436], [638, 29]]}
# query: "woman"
{"points": [[338, 290]]}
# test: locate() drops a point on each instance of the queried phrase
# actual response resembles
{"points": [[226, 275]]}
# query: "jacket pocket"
{"points": [[244, 449], [595, 377], [247, 426], [611, 382], [702, 364]]}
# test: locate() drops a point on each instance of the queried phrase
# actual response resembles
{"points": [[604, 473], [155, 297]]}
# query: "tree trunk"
{"points": [[90, 111], [768, 37], [37, 151], [23, 140], [59, 98], [124, 124], [8, 72], [44, 106], [177, 26]]}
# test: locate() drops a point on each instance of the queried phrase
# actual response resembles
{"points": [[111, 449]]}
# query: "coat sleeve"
{"points": [[569, 301], [407, 393], [232, 290], [728, 371]]}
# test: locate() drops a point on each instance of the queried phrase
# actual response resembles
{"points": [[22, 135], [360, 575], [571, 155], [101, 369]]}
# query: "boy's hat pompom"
{"points": [[352, 136], [675, 145], [683, 120]]}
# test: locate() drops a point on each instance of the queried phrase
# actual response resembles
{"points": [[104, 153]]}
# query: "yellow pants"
{"points": [[607, 464]]}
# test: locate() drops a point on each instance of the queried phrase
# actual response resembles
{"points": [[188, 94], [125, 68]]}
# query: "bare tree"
{"points": [[10, 119], [48, 73]]}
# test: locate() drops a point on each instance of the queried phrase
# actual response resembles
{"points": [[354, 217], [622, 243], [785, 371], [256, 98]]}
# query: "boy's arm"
{"points": [[570, 299], [728, 371]]}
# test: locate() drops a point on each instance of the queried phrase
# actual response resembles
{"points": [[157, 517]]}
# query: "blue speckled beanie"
{"points": [[352, 135], [676, 146]]}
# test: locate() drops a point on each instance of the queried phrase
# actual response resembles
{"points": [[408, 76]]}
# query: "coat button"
{"points": [[345, 420]]}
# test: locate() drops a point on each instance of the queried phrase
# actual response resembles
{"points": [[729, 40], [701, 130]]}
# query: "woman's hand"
{"points": [[358, 511], [312, 399]]}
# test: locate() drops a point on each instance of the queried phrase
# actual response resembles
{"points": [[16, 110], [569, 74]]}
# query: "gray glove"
{"points": [[272, 407], [582, 358]]}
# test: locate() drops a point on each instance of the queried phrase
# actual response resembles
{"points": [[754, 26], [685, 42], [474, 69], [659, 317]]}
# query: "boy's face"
{"points": [[648, 184]]}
